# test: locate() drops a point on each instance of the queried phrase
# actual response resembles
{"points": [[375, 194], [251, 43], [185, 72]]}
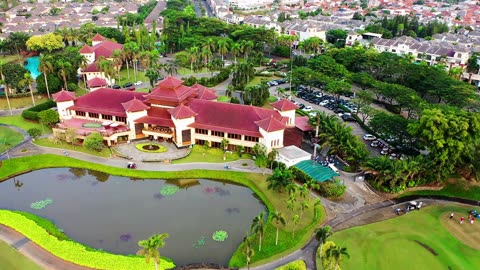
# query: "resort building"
{"points": [[176, 113], [101, 48]]}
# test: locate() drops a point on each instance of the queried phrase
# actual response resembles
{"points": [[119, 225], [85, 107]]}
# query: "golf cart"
{"points": [[412, 205], [474, 213]]}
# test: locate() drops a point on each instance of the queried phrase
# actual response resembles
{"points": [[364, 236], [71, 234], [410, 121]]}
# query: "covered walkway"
{"points": [[318, 172]]}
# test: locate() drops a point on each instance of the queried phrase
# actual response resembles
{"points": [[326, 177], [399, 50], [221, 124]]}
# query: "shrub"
{"points": [[34, 132], [295, 265], [332, 189], [94, 141], [32, 113], [48, 117]]}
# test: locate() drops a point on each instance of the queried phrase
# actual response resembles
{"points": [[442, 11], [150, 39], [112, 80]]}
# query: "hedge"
{"points": [[72, 251], [329, 189], [32, 113]]}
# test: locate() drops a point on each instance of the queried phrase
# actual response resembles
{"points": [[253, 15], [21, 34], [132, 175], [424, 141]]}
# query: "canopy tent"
{"points": [[318, 172]]}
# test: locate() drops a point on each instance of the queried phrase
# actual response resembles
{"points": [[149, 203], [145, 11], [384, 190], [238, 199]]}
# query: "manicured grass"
{"points": [[256, 182], [18, 121], [64, 145], [124, 77], [213, 155], [11, 259], [20, 102], [258, 79], [7, 58], [186, 71], [72, 251], [417, 240], [9, 138], [453, 188]]}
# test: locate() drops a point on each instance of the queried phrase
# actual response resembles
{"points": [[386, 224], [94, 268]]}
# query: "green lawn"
{"points": [[125, 77], [186, 71], [9, 138], [417, 240], [453, 188], [7, 58], [18, 121], [212, 155], [256, 182], [11, 259], [19, 102], [64, 145]]}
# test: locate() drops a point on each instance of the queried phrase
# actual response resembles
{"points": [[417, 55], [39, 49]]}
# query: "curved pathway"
{"points": [[368, 213]]}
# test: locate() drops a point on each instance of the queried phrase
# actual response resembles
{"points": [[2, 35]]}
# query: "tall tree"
{"points": [[278, 219], [258, 227], [28, 81], [335, 254], [4, 82], [280, 179], [150, 246], [45, 67], [248, 249], [321, 234], [64, 69]]}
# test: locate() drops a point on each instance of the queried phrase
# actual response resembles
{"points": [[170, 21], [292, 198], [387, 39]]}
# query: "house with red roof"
{"points": [[184, 115], [101, 48]]}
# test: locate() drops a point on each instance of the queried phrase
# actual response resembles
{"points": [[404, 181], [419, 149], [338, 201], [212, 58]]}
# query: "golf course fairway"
{"points": [[423, 239]]}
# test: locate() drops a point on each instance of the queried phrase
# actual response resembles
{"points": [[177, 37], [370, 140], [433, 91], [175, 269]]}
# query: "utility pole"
{"points": [[315, 141]]}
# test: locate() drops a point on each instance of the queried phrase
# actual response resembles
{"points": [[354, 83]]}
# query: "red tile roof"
{"points": [[301, 122], [270, 124], [86, 49], [91, 68], [284, 105], [63, 96], [97, 82], [134, 105], [98, 37], [170, 89], [106, 48], [204, 92], [228, 117], [157, 116], [182, 112], [106, 101]]}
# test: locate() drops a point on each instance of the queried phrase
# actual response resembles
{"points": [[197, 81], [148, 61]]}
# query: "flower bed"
{"points": [[144, 148], [72, 251]]}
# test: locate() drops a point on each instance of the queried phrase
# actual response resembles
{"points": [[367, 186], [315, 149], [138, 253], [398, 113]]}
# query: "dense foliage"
{"points": [[406, 25], [32, 113]]}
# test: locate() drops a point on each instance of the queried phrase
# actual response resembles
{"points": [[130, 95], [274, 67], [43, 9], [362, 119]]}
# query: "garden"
{"points": [[425, 239]]}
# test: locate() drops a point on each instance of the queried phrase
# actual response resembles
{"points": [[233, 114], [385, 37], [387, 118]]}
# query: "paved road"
{"points": [[14, 112]]}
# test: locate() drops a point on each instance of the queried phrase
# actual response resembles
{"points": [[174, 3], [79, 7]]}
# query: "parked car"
{"points": [[348, 118], [116, 86], [307, 108], [323, 103], [369, 137], [138, 83], [128, 84]]}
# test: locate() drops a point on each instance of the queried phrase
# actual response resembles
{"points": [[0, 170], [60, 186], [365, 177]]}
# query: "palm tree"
{"points": [[248, 249], [335, 254], [296, 220], [28, 80], [64, 67], [272, 156], [45, 67], [247, 47], [259, 226], [107, 67], [118, 61], [303, 206], [317, 203], [193, 55], [222, 46], [235, 50], [3, 81], [321, 234], [206, 54], [152, 75], [150, 246], [171, 69], [280, 179], [278, 218], [312, 184]]}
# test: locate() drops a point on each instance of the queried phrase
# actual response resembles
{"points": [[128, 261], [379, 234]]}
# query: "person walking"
{"points": [[451, 215]]}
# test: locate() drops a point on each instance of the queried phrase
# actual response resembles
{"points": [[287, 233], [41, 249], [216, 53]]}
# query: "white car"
{"points": [[138, 83], [369, 137], [313, 113], [307, 109], [323, 103]]}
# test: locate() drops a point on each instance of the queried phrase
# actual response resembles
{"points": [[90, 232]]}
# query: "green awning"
{"points": [[318, 172]]}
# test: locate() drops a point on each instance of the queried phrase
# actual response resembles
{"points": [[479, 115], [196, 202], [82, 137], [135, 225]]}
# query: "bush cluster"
{"points": [[32, 113], [295, 265], [208, 81], [329, 189]]}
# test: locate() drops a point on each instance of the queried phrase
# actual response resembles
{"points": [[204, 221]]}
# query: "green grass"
{"points": [[160, 149], [64, 145], [395, 243], [453, 188], [9, 138], [18, 121], [295, 265], [11, 259], [256, 182], [124, 77], [19, 102], [186, 71], [213, 155], [7, 58], [223, 99]]}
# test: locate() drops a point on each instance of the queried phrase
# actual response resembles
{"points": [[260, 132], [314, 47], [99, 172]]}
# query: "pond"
{"points": [[32, 64], [113, 213]]}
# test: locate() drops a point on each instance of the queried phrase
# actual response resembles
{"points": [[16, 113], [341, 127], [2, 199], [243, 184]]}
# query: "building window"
{"points": [[218, 134], [80, 113], [122, 119], [251, 139], [107, 117], [201, 131], [93, 115], [234, 136]]}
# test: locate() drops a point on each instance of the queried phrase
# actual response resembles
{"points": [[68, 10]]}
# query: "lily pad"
{"points": [[220, 236], [169, 190], [41, 204]]}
